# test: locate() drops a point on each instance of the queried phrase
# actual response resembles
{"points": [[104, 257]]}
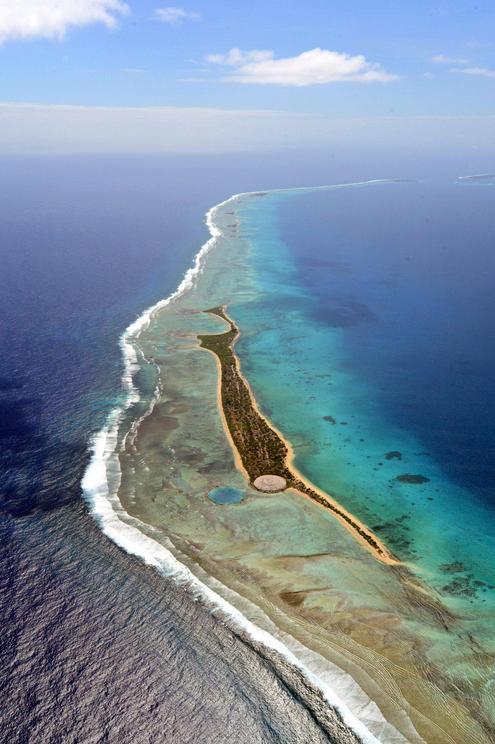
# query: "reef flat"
{"points": [[406, 647], [262, 450]]}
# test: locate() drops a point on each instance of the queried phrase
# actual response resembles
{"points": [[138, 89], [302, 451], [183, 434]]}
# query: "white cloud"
{"points": [[314, 67], [175, 16], [28, 19], [463, 66], [442, 59], [236, 57], [476, 71]]}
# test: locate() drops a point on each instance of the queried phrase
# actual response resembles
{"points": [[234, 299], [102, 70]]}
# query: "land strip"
{"points": [[262, 450]]}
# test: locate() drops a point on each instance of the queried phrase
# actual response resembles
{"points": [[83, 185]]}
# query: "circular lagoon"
{"points": [[226, 495]]}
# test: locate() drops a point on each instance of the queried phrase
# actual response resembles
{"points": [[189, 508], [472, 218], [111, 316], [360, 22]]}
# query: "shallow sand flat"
{"points": [[280, 552]]}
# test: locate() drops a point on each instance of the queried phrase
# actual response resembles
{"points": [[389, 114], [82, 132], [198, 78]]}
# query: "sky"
{"points": [[107, 74]]}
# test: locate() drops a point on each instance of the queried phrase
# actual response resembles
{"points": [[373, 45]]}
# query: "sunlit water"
{"points": [[364, 317]]}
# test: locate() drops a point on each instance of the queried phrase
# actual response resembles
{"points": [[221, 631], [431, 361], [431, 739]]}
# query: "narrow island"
{"points": [[262, 453]]}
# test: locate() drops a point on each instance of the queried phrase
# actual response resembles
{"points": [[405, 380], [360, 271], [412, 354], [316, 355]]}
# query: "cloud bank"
{"points": [[442, 59], [476, 72], [175, 16], [44, 129], [28, 19], [314, 67]]}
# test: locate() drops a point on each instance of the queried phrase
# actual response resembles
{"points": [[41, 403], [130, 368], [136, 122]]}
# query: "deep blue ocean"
{"points": [[379, 298], [408, 274], [86, 244], [92, 644]]}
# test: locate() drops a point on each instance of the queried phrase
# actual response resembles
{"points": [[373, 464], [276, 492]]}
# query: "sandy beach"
{"points": [[304, 488]]}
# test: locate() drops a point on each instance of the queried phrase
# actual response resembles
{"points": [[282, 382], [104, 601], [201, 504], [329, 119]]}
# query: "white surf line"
{"points": [[101, 481], [476, 175]]}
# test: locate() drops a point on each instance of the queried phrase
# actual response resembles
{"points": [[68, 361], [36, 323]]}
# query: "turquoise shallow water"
{"points": [[320, 305], [350, 439]]}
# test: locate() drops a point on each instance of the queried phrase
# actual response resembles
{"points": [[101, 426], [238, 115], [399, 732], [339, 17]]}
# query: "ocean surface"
{"points": [[379, 301], [95, 646], [364, 316], [365, 335], [388, 342]]}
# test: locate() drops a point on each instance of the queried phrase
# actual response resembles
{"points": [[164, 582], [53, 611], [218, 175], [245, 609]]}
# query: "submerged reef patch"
{"points": [[330, 419], [412, 479], [393, 455]]}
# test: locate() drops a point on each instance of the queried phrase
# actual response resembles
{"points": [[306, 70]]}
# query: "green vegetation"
{"points": [[260, 448]]}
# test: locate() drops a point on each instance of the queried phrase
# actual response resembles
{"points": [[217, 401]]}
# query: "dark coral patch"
{"points": [[412, 479], [393, 455], [456, 567]]}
